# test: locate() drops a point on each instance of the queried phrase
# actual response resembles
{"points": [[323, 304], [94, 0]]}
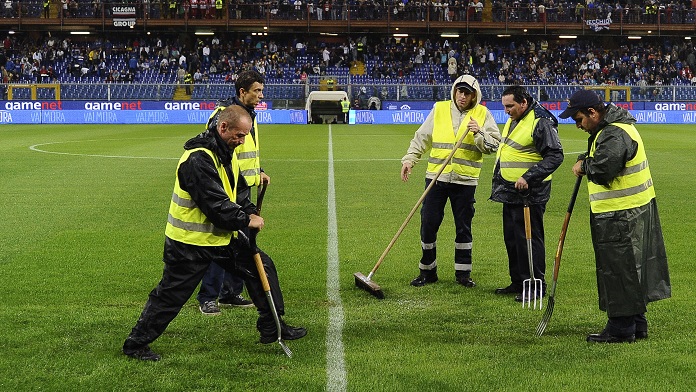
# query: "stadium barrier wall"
{"points": [[150, 112]]}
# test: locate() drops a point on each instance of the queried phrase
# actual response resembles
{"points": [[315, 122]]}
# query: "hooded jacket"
{"points": [[199, 177], [486, 140], [630, 254], [547, 143]]}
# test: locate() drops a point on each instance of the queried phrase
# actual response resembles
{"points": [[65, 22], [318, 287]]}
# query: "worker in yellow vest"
{"points": [[630, 255], [446, 122], [218, 8], [529, 152], [345, 108], [206, 212], [217, 284], [47, 8], [172, 9]]}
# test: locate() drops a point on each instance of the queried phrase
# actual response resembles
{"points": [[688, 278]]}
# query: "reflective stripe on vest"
{"points": [[186, 222], [467, 159], [517, 152], [632, 187]]}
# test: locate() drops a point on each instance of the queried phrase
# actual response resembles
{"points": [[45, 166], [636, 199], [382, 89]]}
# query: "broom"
{"points": [[365, 282]]}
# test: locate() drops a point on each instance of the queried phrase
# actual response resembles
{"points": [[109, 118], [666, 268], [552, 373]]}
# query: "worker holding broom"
{"points": [[626, 233], [529, 153], [462, 116], [206, 221]]}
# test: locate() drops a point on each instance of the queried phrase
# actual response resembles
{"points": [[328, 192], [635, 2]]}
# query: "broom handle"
{"points": [[564, 229], [418, 203]]}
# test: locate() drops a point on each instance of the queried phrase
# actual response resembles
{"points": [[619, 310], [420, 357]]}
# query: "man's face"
{"points": [[464, 98], [587, 122], [234, 136], [512, 108], [251, 97]]}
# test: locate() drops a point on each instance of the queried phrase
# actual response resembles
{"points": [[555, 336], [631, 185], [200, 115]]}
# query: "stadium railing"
{"points": [[292, 96]]}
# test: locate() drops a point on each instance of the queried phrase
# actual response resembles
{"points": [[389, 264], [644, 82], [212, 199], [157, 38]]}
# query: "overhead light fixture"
{"points": [[634, 37], [687, 38], [329, 34], [12, 32], [204, 33], [567, 36], [503, 35], [649, 31], [445, 35], [524, 31], [400, 35], [79, 32]]}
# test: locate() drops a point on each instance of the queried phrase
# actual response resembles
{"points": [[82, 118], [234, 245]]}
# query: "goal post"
{"points": [[33, 88], [608, 89]]}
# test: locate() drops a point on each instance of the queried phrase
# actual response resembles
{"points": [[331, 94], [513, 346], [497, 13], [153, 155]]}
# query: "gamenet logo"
{"points": [[28, 105], [678, 106]]}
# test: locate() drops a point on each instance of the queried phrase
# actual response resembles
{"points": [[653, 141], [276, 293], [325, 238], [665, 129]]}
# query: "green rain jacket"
{"points": [[628, 244]]}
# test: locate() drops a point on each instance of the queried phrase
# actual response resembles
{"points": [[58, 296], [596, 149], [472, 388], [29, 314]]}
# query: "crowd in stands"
{"points": [[528, 61], [625, 11]]}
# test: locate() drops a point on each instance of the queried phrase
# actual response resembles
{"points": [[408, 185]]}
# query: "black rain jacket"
{"points": [[630, 254], [199, 177]]}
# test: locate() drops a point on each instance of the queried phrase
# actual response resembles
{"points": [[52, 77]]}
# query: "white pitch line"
{"points": [[335, 364]]}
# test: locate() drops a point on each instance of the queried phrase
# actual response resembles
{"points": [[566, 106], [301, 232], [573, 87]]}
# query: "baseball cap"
{"points": [[464, 85], [580, 100]]}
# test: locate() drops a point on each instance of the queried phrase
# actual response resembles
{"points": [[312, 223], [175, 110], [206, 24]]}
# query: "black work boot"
{"points": [[269, 331], [425, 277], [143, 353], [465, 280]]}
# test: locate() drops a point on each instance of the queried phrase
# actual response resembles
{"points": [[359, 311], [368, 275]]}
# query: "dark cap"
{"points": [[581, 99], [464, 85]]}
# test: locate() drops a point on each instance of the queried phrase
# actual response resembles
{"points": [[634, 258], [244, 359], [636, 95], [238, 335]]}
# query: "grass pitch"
{"points": [[84, 209]]}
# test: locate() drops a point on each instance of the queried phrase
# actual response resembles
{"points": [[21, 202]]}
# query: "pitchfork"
{"points": [[532, 287]]}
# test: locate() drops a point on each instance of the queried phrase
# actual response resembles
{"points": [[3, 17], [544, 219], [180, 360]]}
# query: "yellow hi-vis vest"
{"points": [[186, 222], [633, 187], [517, 152], [345, 106], [467, 160], [248, 157]]}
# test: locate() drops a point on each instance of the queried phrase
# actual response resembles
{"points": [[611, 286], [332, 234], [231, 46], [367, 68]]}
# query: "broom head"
{"points": [[368, 285]]}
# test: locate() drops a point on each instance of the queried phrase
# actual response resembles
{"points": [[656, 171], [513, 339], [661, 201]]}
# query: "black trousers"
{"points": [[516, 242], [462, 201], [180, 279], [627, 325]]}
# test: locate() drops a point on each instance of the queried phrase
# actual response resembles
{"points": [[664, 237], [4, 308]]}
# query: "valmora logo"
{"points": [[405, 107]]}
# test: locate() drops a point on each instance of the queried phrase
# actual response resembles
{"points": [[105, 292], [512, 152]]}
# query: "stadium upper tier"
{"points": [[155, 67], [348, 16]]}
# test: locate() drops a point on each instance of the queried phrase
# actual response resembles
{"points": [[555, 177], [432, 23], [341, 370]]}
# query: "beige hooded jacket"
{"points": [[486, 141]]}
